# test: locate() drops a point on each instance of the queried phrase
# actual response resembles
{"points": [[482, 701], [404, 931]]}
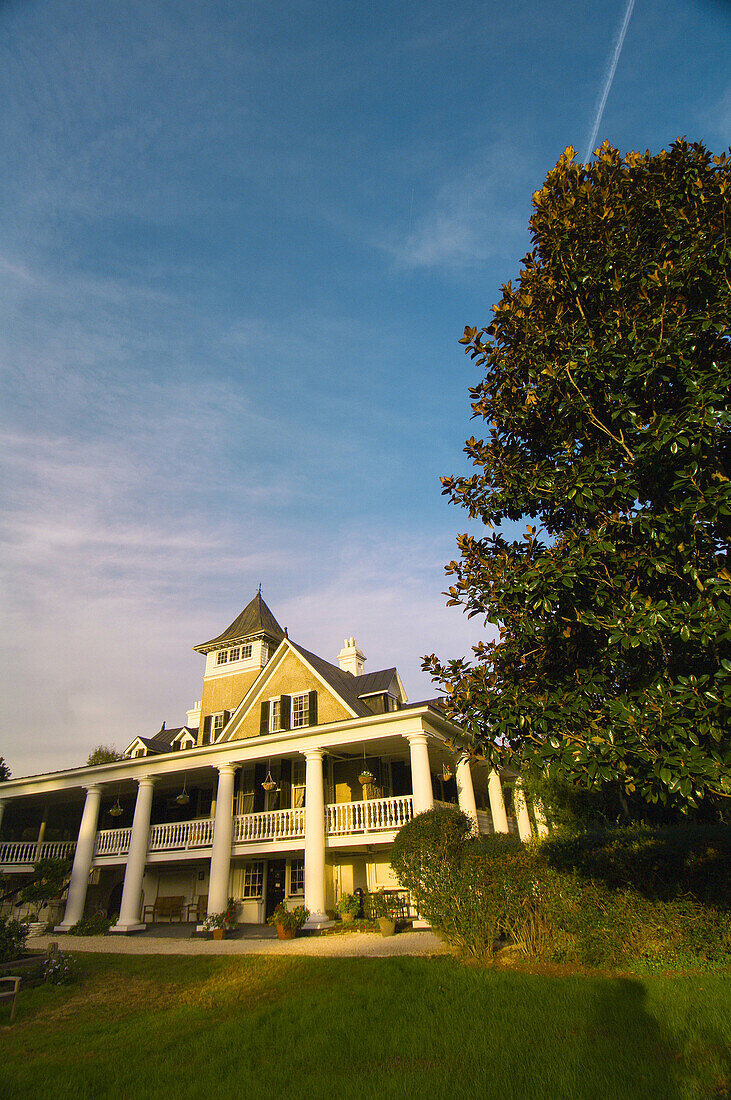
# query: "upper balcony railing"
{"points": [[372, 815], [29, 851]]}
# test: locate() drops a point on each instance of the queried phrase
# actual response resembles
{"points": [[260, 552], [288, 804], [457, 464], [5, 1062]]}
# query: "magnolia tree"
{"points": [[607, 372]]}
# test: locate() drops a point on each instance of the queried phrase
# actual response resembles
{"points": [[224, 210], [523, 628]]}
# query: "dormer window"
{"points": [[222, 657]]}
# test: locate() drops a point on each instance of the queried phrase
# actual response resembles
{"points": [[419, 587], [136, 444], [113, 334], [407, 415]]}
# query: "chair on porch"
{"points": [[11, 994], [198, 909]]}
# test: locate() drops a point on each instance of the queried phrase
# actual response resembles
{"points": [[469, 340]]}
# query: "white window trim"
{"points": [[293, 698]]}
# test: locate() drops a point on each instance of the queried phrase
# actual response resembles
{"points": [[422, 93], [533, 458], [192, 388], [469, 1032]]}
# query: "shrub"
{"points": [[13, 934], [600, 899], [96, 925]]}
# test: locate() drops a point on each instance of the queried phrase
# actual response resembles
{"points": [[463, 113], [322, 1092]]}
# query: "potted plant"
{"points": [[386, 911], [348, 907], [288, 921], [221, 923]]}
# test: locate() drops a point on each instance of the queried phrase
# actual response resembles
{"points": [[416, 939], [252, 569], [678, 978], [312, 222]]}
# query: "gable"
{"points": [[287, 674]]}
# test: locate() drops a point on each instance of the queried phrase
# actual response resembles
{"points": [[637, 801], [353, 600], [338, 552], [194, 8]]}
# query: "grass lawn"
{"points": [[179, 1028]]}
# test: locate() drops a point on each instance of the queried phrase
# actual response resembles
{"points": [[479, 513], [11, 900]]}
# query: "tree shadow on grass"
{"points": [[638, 1057]]}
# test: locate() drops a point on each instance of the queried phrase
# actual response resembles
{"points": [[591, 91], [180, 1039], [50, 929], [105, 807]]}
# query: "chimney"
{"points": [[350, 658]]}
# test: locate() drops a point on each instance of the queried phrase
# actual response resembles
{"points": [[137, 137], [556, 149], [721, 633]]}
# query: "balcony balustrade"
{"points": [[341, 819], [270, 825], [29, 851], [372, 815]]}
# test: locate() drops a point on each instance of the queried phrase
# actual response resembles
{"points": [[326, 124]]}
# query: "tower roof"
{"points": [[256, 619]]}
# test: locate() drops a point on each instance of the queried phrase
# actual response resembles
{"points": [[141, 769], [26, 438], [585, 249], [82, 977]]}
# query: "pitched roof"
{"points": [[255, 619], [350, 688], [162, 741]]}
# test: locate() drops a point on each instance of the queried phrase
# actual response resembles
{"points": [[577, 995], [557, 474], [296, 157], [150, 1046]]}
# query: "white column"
{"points": [[521, 812], [223, 826], [41, 833], [421, 785], [540, 815], [315, 839], [465, 789], [129, 910], [497, 803], [82, 860]]}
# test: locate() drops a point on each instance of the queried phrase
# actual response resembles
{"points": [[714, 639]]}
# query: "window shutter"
{"points": [[259, 777], [313, 708], [226, 716], [264, 723], [285, 784], [284, 705]]}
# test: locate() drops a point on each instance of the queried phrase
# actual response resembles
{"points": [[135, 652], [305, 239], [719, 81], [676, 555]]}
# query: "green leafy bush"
{"points": [[598, 900], [96, 925], [13, 934]]}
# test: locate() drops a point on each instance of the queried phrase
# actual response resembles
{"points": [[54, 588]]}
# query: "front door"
{"points": [[276, 881]]}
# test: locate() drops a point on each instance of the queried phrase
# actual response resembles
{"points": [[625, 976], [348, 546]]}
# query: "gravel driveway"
{"points": [[346, 945]]}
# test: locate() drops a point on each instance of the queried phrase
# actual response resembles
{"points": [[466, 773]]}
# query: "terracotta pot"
{"points": [[387, 926], [219, 933], [286, 933]]}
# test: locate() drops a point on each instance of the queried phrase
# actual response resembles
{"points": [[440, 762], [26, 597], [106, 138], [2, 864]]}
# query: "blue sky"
{"points": [[238, 245]]}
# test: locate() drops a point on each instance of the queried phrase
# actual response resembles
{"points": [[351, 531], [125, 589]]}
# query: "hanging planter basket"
{"points": [[366, 778], [447, 773], [116, 810], [269, 784], [183, 798]]}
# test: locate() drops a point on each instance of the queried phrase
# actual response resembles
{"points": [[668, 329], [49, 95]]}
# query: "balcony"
{"points": [[342, 819]]}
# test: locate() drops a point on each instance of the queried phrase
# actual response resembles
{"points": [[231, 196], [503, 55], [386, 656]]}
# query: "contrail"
{"points": [[610, 77]]}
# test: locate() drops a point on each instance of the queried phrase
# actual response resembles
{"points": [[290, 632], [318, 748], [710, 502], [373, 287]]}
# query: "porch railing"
{"points": [[29, 851], [112, 842], [176, 835], [341, 819], [370, 816], [270, 825]]}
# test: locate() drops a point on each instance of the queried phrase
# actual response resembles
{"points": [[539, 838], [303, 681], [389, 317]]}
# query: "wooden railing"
{"points": [[177, 835], [112, 842], [372, 815], [270, 825], [29, 851]]}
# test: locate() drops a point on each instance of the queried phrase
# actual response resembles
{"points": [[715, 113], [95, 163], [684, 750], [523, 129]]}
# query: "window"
{"points": [[234, 654], [297, 876], [275, 715], [222, 657], [300, 710], [246, 651], [253, 879], [216, 725]]}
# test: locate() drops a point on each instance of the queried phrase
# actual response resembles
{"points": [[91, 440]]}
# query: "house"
{"points": [[289, 779]]}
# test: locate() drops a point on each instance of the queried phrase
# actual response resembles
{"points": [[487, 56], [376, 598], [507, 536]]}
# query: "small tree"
{"points": [[607, 372], [49, 881], [104, 754], [4, 770]]}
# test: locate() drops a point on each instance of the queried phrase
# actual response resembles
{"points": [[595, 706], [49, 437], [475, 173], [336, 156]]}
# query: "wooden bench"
{"points": [[10, 994], [165, 907]]}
